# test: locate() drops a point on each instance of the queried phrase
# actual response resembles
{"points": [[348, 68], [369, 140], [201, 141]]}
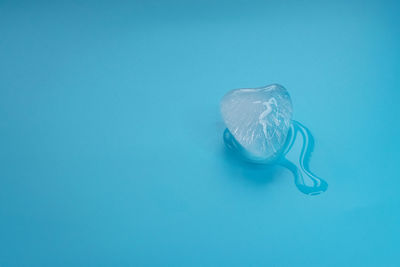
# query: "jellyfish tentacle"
{"points": [[305, 155], [290, 139], [307, 149]]}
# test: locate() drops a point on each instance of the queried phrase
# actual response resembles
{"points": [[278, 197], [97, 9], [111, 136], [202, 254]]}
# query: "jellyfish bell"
{"points": [[258, 121]]}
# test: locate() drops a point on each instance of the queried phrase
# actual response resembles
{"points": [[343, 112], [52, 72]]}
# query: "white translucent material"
{"points": [[259, 119]]}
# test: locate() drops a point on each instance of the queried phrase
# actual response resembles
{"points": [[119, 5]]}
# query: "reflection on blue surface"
{"points": [[306, 181]]}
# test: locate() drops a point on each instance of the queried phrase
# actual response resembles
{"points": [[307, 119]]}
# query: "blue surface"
{"points": [[111, 138]]}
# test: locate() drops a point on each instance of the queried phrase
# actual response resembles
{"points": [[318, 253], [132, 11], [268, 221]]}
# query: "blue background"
{"points": [[111, 150]]}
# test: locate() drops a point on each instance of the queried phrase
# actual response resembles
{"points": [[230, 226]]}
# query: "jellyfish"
{"points": [[260, 128]]}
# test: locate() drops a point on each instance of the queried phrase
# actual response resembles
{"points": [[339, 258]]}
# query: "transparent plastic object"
{"points": [[266, 135], [259, 119]]}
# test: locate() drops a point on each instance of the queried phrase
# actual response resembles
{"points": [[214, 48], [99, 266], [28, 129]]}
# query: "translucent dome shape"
{"points": [[259, 120], [260, 129]]}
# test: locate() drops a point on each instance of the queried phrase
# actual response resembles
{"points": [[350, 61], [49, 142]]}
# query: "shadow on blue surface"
{"points": [[306, 181], [257, 174]]}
